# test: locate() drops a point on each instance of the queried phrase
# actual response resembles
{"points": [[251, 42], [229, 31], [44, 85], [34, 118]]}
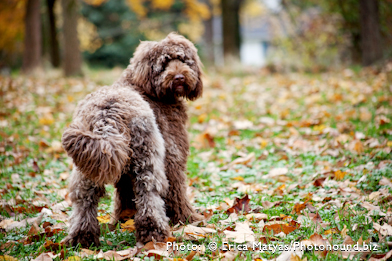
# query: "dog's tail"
{"points": [[100, 154]]}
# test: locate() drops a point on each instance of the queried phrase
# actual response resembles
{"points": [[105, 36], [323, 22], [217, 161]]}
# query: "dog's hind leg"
{"points": [[150, 184], [124, 199], [84, 226]]}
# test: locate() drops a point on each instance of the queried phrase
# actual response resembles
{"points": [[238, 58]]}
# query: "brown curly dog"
{"points": [[133, 134]]}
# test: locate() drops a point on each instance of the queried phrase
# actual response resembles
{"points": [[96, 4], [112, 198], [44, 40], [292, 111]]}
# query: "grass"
{"points": [[312, 128]]}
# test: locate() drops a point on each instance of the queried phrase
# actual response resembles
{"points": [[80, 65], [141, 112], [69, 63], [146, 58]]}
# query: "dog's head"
{"points": [[168, 69]]}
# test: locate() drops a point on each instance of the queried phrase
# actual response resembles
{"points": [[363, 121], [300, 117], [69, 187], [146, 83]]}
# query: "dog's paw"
{"points": [[147, 228], [195, 217], [84, 238]]}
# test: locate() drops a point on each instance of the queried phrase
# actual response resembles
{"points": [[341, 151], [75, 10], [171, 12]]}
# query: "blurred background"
{"points": [[282, 35]]}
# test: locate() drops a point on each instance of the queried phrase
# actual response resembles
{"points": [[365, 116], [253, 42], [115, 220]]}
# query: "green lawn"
{"points": [[312, 152]]}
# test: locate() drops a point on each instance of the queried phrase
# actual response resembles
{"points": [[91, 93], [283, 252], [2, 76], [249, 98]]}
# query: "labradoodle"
{"points": [[133, 135]]}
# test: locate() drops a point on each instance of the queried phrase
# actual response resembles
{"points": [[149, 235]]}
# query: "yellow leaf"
{"points": [[94, 2], [104, 219], [74, 258], [239, 178], [339, 175], [202, 117], [137, 7], [47, 120], [343, 233], [263, 143], [329, 231], [129, 225], [319, 127], [358, 147], [7, 258], [162, 4], [389, 143]]}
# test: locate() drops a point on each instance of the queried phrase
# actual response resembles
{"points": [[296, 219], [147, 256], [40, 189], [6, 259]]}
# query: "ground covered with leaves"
{"points": [[277, 160]]}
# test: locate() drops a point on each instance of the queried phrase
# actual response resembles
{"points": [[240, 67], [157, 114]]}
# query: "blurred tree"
{"points": [[367, 22], [12, 13], [231, 27], [32, 40], [72, 56], [370, 32], [121, 24], [116, 33], [53, 41], [208, 35]]}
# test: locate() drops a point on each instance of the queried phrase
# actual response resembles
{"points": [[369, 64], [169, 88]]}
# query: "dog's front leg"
{"points": [[84, 226], [150, 180], [150, 219]]}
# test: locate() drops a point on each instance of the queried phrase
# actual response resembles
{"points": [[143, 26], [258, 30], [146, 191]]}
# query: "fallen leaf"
{"points": [[129, 225], [242, 233], [277, 228], [339, 175], [240, 205]]}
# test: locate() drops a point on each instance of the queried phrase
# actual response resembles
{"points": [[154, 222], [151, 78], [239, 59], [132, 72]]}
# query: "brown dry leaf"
{"points": [[319, 182], [316, 240], [268, 204], [192, 232], [229, 256], [191, 255], [204, 140], [242, 233], [275, 173], [240, 205], [233, 217], [242, 160], [36, 237], [129, 225], [299, 207], [277, 228], [119, 255], [257, 216], [9, 244], [385, 182], [127, 214], [381, 257], [208, 213], [373, 209], [45, 257], [34, 229], [385, 230], [343, 233], [157, 250], [348, 241], [49, 245]]}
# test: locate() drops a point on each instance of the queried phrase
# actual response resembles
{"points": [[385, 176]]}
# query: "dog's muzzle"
{"points": [[179, 84]]}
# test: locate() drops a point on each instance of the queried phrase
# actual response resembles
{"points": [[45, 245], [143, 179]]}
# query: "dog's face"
{"points": [[168, 70]]}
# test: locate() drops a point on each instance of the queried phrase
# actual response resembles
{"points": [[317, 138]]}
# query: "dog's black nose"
{"points": [[179, 78]]}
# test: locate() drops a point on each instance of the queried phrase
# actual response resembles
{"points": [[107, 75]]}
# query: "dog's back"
{"points": [[99, 138]]}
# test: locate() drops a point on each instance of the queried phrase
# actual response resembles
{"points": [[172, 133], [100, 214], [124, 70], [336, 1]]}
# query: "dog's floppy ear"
{"points": [[198, 90], [140, 67], [198, 67]]}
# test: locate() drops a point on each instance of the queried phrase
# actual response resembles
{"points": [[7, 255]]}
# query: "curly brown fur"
{"points": [[133, 134]]}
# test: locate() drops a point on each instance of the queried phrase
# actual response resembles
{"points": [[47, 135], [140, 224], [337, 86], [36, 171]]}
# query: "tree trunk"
{"points": [[53, 42], [370, 32], [32, 40], [209, 36], [231, 27], [72, 55]]}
